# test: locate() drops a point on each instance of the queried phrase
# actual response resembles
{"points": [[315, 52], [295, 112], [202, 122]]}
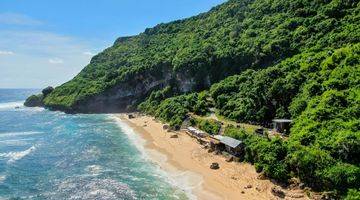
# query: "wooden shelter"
{"points": [[282, 125], [230, 145]]}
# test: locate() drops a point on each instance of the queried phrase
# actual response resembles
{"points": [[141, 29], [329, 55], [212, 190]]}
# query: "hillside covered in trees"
{"points": [[251, 60]]}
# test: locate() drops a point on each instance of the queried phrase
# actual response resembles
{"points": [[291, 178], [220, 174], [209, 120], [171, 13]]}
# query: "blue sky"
{"points": [[46, 42]]}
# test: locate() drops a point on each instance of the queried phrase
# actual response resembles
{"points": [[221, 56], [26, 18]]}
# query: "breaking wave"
{"points": [[11, 105], [14, 156]]}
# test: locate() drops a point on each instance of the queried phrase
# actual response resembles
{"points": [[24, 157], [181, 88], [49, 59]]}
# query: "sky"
{"points": [[46, 42]]}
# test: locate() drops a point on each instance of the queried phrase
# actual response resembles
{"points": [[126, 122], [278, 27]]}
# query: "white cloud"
{"points": [[56, 61], [18, 19], [41, 58], [6, 53], [88, 53]]}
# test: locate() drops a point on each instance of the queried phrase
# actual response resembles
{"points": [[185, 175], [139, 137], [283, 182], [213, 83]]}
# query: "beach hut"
{"points": [[195, 132], [231, 145], [282, 125]]}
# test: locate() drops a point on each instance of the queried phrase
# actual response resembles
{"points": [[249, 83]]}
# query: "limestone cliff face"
{"points": [[124, 96]]}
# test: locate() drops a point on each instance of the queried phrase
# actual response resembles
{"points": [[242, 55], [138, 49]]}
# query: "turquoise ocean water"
{"points": [[51, 155]]}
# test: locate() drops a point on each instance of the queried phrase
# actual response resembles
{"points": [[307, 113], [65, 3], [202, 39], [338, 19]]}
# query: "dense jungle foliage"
{"points": [[256, 60], [237, 35], [320, 91]]}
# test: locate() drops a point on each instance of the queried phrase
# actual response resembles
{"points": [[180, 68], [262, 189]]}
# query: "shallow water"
{"points": [[51, 155]]}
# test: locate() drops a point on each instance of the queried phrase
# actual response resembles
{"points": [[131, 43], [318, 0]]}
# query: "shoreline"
{"points": [[187, 162]]}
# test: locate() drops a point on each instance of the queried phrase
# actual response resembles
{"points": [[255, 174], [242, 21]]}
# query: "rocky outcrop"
{"points": [[38, 100], [34, 101]]}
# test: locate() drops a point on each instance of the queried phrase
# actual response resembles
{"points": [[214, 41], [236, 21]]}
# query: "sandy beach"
{"points": [[186, 161]]}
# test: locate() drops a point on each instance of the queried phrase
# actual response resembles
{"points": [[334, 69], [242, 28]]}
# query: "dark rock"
{"points": [[248, 186], [165, 127], [217, 152], [17, 107], [262, 176], [230, 159], [34, 101], [174, 136], [214, 166], [130, 116], [296, 196], [177, 127], [242, 192], [277, 191], [259, 131], [294, 183], [47, 91]]}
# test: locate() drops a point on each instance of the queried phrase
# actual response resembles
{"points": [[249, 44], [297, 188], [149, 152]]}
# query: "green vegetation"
{"points": [[175, 109], [256, 60], [321, 92], [210, 126], [268, 155], [232, 37], [353, 195]]}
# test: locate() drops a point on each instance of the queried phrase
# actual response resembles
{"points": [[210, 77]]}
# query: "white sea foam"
{"points": [[94, 169], [2, 178], [133, 137], [185, 180], [15, 134], [11, 105], [14, 156], [17, 142], [84, 188]]}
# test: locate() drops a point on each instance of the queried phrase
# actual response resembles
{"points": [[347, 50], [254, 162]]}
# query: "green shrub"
{"points": [[210, 126], [353, 194]]}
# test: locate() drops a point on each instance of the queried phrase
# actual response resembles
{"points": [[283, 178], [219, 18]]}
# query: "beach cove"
{"points": [[187, 165]]}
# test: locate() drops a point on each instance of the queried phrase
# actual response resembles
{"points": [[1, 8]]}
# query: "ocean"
{"points": [[52, 155]]}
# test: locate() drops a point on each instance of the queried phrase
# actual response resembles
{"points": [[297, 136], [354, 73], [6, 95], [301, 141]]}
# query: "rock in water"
{"points": [[214, 166], [34, 101]]}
